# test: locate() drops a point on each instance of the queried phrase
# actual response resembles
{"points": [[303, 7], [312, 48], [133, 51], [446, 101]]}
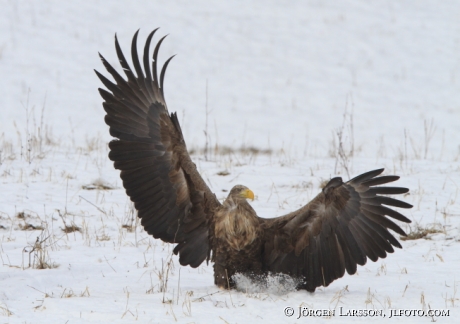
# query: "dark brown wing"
{"points": [[340, 228], [173, 201]]}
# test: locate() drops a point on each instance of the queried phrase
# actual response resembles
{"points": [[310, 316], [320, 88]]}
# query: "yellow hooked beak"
{"points": [[248, 194]]}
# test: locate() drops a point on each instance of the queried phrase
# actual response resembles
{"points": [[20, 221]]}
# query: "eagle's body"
{"points": [[238, 236], [339, 229]]}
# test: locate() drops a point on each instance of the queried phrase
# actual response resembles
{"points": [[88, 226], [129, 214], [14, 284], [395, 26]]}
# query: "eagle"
{"points": [[346, 223]]}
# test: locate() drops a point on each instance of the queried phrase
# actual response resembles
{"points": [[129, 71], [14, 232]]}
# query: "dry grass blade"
{"points": [[421, 232]]}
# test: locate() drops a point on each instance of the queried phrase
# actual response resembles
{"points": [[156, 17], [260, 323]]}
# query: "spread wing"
{"points": [[172, 200], [340, 228]]}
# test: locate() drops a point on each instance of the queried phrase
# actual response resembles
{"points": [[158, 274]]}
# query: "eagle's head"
{"points": [[239, 193]]}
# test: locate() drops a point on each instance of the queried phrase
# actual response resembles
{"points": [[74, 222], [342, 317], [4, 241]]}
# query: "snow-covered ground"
{"points": [[281, 78]]}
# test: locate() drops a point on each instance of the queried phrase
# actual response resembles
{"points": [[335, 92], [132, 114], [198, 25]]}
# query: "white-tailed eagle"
{"points": [[346, 223]]}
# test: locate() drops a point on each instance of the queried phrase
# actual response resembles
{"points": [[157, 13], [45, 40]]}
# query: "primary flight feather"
{"points": [[340, 228]]}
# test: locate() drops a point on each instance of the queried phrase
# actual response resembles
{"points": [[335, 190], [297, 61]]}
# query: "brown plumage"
{"points": [[340, 228]]}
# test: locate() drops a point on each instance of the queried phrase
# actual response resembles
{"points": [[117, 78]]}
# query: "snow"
{"points": [[385, 73]]}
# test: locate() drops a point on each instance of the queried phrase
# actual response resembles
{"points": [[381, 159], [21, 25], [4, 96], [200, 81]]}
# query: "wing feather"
{"points": [[339, 229], [172, 200]]}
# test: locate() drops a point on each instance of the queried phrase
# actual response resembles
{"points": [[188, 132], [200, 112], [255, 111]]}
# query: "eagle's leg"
{"points": [[223, 277], [303, 285]]}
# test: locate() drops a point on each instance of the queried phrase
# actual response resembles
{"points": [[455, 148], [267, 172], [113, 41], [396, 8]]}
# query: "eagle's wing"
{"points": [[340, 228], [172, 200]]}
